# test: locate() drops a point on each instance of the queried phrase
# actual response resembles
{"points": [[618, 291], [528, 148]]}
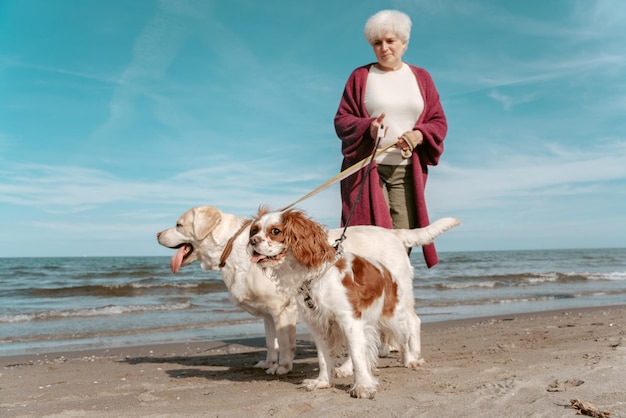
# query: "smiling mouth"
{"points": [[267, 260], [182, 255]]}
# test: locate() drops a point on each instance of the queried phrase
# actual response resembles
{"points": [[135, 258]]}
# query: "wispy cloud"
{"points": [[70, 189], [527, 177], [74, 73], [153, 51], [513, 176], [509, 101], [231, 105], [602, 19]]}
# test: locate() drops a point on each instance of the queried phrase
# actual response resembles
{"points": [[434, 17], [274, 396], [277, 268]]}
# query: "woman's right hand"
{"points": [[376, 123]]}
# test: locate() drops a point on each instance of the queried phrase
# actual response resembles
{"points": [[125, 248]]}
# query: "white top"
{"points": [[398, 96]]}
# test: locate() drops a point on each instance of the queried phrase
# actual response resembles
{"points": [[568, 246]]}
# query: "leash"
{"points": [[342, 237], [344, 174], [305, 289], [229, 244]]}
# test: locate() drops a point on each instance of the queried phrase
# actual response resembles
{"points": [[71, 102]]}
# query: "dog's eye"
{"points": [[254, 230], [275, 231], [179, 225]]}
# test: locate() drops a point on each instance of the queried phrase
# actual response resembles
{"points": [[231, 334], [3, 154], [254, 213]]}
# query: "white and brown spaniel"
{"points": [[347, 300]]}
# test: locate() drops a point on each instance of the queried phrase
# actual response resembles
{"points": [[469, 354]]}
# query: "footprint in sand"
{"points": [[562, 385]]}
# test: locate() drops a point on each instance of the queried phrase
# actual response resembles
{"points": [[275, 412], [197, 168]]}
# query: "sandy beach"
{"points": [[530, 365]]}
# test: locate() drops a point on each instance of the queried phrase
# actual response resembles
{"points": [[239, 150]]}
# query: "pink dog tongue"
{"points": [[256, 257], [177, 259]]}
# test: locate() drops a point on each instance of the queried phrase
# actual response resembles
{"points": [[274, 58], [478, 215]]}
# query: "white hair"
{"points": [[387, 21]]}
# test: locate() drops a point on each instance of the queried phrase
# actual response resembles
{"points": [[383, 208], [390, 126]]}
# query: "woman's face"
{"points": [[389, 50]]}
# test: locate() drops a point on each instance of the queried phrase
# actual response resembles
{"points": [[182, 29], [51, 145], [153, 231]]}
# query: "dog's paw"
{"points": [[362, 392], [416, 363], [264, 364], [313, 384], [386, 349], [279, 369], [345, 370], [383, 351]]}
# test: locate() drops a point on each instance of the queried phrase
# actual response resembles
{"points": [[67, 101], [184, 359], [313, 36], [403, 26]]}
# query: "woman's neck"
{"points": [[384, 68]]}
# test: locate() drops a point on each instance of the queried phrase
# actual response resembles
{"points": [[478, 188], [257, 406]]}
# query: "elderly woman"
{"points": [[402, 100]]}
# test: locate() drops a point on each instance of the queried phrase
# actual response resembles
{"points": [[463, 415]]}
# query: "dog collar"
{"points": [[229, 244]]}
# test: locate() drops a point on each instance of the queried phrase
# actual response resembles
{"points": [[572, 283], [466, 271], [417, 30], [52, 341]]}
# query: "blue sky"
{"points": [[117, 116]]}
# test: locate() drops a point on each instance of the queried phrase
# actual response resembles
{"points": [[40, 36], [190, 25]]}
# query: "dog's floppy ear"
{"points": [[307, 239], [205, 219]]}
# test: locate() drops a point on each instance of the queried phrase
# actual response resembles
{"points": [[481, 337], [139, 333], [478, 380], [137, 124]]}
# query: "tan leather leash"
{"points": [[344, 174], [229, 245], [365, 162]]}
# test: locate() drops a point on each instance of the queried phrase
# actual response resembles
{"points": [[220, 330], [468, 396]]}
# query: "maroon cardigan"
{"points": [[352, 124]]}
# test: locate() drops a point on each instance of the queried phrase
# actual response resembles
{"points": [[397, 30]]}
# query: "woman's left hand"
{"points": [[408, 141]]}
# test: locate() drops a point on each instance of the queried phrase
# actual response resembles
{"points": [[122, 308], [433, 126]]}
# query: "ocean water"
{"points": [[52, 304]]}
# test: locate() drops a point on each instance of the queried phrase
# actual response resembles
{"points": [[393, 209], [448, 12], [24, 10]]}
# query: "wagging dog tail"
{"points": [[422, 236]]}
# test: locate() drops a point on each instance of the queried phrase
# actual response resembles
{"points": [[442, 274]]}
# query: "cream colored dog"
{"points": [[219, 242]]}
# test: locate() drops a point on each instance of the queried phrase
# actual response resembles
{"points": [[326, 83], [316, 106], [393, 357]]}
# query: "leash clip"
{"points": [[381, 132], [337, 245]]}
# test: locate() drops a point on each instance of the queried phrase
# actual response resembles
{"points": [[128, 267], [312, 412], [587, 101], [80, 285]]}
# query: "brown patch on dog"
{"points": [[391, 294], [366, 283], [341, 264]]}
